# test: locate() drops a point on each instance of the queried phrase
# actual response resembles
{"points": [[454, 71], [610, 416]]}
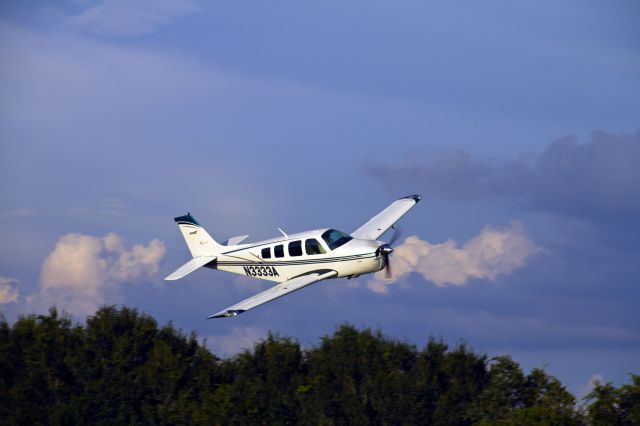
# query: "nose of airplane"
{"points": [[385, 250]]}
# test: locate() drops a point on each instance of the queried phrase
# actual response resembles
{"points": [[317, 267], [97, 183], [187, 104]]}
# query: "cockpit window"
{"points": [[313, 246], [335, 238]]}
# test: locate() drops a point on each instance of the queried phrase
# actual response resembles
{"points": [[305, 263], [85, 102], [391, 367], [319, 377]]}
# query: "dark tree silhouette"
{"points": [[121, 367]]}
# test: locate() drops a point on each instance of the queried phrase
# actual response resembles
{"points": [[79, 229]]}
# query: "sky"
{"points": [[518, 123]]}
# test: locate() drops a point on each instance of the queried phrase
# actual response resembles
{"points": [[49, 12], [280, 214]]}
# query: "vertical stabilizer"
{"points": [[198, 240]]}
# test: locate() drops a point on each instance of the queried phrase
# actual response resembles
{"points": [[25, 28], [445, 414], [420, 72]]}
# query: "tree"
{"points": [[610, 406], [121, 367], [37, 381], [629, 397], [511, 398], [358, 377], [261, 384]]}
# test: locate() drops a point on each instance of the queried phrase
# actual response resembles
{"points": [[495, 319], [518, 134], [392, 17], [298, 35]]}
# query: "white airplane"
{"points": [[294, 261]]}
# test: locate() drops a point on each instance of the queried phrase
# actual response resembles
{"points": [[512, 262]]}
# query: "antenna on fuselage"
{"points": [[283, 233]]}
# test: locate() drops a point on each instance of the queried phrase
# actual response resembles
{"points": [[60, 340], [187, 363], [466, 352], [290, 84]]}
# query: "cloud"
{"points": [[238, 339], [9, 291], [594, 180], [123, 18], [589, 387], [83, 272], [491, 253]]}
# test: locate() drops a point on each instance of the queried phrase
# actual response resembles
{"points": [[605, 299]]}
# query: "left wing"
{"points": [[378, 225], [275, 292]]}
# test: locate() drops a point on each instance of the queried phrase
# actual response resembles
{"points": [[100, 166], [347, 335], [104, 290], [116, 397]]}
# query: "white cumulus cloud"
{"points": [[8, 290], [84, 271], [491, 253], [237, 340]]}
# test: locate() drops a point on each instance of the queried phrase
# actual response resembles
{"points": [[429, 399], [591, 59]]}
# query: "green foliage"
{"points": [[446, 382], [511, 398], [357, 377], [611, 406], [261, 386], [121, 367]]}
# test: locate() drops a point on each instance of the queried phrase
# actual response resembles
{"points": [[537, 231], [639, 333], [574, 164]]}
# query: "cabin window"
{"points": [[266, 253], [278, 250], [312, 246], [295, 248], [335, 238]]}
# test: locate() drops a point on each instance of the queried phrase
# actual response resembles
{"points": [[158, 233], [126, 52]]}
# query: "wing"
{"points": [[384, 220], [275, 292]]}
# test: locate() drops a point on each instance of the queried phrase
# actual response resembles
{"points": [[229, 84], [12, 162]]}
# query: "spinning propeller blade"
{"points": [[397, 232], [386, 250], [387, 269]]}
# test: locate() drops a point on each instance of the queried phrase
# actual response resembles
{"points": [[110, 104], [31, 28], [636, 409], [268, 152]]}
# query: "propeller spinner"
{"points": [[385, 250]]}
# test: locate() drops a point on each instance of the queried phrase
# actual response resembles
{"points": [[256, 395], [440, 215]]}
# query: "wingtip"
{"points": [[226, 314], [414, 197]]}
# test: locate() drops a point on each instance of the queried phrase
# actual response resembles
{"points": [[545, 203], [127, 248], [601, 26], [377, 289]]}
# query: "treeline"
{"points": [[122, 368]]}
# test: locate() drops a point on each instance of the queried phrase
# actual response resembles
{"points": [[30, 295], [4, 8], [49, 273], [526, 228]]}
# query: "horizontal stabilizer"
{"points": [[274, 293], [234, 241], [189, 267]]}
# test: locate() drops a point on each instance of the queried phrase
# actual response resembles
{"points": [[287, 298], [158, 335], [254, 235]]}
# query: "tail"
{"points": [[198, 240]]}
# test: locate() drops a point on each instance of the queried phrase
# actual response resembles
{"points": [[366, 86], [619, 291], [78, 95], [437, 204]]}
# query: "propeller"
{"points": [[386, 249], [396, 234]]}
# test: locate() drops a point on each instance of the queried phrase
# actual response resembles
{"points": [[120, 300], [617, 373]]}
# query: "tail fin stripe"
{"points": [[186, 219]]}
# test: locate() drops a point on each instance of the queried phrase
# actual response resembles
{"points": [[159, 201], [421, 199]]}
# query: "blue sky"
{"points": [[512, 120]]}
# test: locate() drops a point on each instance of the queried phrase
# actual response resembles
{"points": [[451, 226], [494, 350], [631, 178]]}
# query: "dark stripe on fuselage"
{"points": [[309, 260], [294, 262]]}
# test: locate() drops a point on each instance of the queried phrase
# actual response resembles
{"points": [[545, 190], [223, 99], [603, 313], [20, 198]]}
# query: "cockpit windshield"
{"points": [[335, 238]]}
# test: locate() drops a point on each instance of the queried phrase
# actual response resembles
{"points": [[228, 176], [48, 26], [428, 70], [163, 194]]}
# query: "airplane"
{"points": [[297, 260]]}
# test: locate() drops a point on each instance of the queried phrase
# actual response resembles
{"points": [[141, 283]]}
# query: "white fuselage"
{"points": [[282, 259]]}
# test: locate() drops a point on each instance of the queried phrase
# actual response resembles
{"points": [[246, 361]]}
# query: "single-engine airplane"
{"points": [[297, 260]]}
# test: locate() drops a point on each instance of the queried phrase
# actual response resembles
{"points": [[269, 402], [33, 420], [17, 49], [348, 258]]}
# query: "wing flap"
{"points": [[380, 223], [189, 267], [274, 293]]}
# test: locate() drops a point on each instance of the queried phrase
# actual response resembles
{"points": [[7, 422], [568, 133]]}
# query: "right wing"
{"points": [[275, 292], [378, 225]]}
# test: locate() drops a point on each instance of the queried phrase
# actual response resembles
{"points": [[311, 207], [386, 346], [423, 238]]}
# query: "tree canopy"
{"points": [[121, 367]]}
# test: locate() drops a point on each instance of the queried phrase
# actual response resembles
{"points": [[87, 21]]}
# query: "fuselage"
{"points": [[281, 259]]}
